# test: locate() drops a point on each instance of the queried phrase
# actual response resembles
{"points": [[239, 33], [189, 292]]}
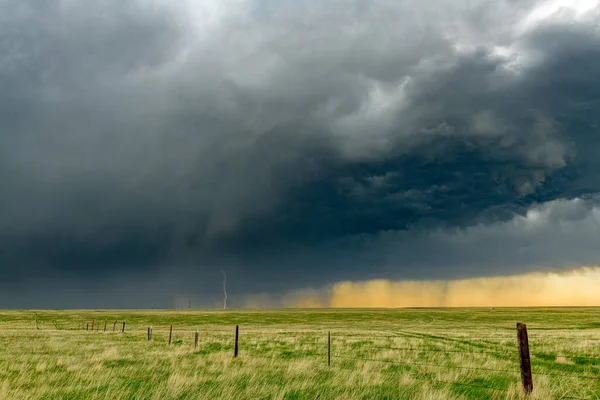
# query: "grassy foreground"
{"points": [[376, 354]]}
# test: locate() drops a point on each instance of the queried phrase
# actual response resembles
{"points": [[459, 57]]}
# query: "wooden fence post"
{"points": [[170, 334], [114, 325], [526, 376], [104, 325], [123, 329], [235, 349], [329, 349], [196, 340], [87, 327], [92, 325], [149, 333]]}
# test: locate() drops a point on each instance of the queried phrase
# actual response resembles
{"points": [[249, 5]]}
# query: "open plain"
{"points": [[283, 354]]}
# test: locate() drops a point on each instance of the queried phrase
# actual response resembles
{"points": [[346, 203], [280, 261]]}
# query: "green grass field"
{"points": [[375, 354]]}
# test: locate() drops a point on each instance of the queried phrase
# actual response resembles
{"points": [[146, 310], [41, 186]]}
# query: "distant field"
{"points": [[376, 354]]}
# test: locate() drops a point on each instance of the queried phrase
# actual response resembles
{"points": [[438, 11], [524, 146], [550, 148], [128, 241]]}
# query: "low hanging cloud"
{"points": [[554, 240], [292, 143]]}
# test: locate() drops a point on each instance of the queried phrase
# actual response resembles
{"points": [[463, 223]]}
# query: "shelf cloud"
{"points": [[143, 147]]}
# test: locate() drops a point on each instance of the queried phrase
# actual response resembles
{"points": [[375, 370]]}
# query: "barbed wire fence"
{"points": [[337, 346]]}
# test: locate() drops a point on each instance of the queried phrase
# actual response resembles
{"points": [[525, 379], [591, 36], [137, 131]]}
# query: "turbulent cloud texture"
{"points": [[146, 145]]}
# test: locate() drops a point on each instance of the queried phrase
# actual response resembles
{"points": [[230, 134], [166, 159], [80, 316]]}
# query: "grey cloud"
{"points": [[554, 236], [140, 138], [550, 237]]}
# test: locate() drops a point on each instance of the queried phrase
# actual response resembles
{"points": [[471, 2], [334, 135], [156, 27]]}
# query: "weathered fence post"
{"points": [[170, 334], [123, 329], [196, 340], [329, 349], [526, 376], [235, 349], [149, 333], [114, 325], [87, 327], [93, 325], [104, 325]]}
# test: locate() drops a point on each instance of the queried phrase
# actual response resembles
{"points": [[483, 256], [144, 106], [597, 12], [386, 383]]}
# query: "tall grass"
{"points": [[376, 354]]}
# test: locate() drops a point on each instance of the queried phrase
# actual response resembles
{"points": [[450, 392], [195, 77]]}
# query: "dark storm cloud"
{"points": [[170, 139]]}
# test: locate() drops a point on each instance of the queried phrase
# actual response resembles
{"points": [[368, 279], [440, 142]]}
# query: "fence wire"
{"points": [[341, 340]]}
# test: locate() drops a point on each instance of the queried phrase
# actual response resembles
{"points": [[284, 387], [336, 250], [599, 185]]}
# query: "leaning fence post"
{"points": [[114, 325], [196, 340], [170, 334], [235, 349], [123, 329], [329, 349], [526, 376]]}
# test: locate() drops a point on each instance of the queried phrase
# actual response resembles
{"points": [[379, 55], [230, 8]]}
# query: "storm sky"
{"points": [[146, 145]]}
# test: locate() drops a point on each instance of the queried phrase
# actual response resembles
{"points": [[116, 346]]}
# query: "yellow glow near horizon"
{"points": [[580, 287]]}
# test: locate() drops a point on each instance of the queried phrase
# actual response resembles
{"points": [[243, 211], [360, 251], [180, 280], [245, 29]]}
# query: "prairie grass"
{"points": [[375, 354]]}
